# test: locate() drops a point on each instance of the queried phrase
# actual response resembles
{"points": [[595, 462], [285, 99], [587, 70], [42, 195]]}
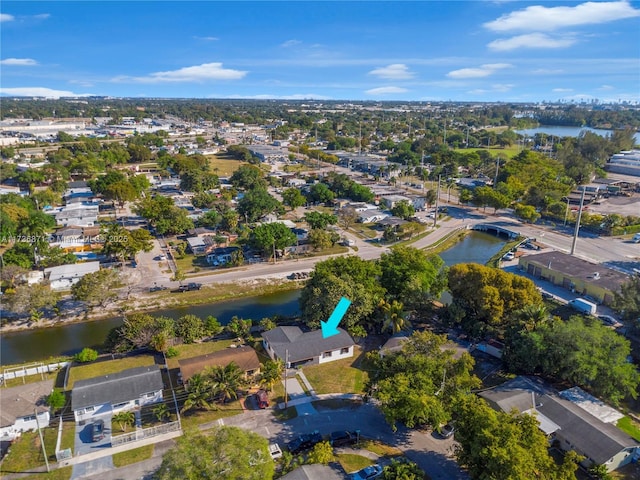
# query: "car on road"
{"points": [[157, 288], [508, 256], [342, 438], [304, 442], [609, 320], [190, 287], [97, 430], [161, 257], [367, 473]]}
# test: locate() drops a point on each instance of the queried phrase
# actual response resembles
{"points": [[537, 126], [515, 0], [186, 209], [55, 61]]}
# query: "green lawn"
{"points": [[15, 382], [59, 474], [132, 456], [26, 452], [98, 368], [352, 463], [197, 417], [341, 376], [381, 449], [629, 426], [223, 165], [510, 152]]}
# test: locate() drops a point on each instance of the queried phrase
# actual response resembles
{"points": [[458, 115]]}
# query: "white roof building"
{"points": [[64, 276]]}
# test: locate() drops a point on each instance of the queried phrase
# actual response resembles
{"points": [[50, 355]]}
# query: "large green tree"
{"points": [[488, 296], [270, 236], [97, 288], [292, 197], [418, 385], [349, 277], [257, 203], [166, 217], [225, 452], [410, 276], [627, 301]]}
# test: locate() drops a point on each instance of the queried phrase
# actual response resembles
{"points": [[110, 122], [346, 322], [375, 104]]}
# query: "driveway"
{"points": [[83, 445]]}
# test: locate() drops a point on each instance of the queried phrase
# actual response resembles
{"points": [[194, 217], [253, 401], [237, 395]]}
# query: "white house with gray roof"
{"points": [[64, 277], [564, 422], [302, 348], [115, 392]]}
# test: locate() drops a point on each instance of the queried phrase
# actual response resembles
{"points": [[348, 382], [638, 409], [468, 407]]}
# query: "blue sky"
{"points": [[512, 51]]}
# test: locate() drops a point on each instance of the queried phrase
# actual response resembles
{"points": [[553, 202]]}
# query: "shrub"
{"points": [[172, 352], [86, 355]]}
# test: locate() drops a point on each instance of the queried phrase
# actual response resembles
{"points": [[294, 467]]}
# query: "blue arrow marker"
{"points": [[330, 327]]}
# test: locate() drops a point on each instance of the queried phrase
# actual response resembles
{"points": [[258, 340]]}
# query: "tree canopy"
{"points": [[270, 236], [226, 452], [97, 288]]}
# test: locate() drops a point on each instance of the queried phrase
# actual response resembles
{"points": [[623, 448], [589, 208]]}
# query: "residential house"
{"points": [[77, 239], [19, 407], [394, 344], [585, 278], [391, 201], [221, 256], [314, 472], [296, 347], [371, 216], [83, 214], [202, 245], [115, 392], [245, 357], [566, 424], [64, 277]]}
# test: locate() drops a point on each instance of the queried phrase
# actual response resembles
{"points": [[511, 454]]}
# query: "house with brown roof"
{"points": [[245, 357], [19, 407]]}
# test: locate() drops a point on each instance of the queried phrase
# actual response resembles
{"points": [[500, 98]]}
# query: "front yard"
{"points": [[100, 368], [348, 375]]}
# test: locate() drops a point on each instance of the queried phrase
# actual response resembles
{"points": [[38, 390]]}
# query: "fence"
{"points": [[31, 369], [144, 433]]}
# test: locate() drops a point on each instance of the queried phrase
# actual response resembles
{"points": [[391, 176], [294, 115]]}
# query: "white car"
{"points": [[275, 451], [508, 256]]}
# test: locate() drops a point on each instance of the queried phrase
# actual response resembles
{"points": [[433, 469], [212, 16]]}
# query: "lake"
{"points": [[559, 131]]}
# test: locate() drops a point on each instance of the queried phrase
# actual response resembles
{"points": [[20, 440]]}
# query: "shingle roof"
{"points": [[116, 387], [587, 434], [304, 345], [23, 400], [313, 472], [245, 357]]}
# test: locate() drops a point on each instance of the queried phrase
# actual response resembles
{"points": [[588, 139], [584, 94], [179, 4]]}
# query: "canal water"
{"points": [[561, 131], [34, 345]]}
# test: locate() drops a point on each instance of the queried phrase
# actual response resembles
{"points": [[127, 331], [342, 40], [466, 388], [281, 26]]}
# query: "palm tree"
{"points": [[533, 316], [270, 373], [200, 393], [124, 420], [395, 316], [161, 412], [227, 381]]}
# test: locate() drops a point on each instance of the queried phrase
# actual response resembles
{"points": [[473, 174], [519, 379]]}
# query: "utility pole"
{"points": [[274, 252], [286, 365], [577, 229], [44, 450], [566, 213], [495, 180], [435, 217]]}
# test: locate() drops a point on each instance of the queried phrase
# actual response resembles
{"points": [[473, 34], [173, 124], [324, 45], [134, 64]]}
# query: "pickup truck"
{"points": [[190, 287]]}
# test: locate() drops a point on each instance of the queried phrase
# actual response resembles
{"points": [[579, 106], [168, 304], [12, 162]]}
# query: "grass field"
{"points": [[341, 376], [352, 463], [510, 151], [223, 165], [628, 425], [195, 418], [96, 369]]}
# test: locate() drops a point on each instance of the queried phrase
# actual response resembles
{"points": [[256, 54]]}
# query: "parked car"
{"points": [[447, 430], [157, 288], [97, 430], [262, 399], [275, 451], [367, 473], [343, 437], [609, 320], [161, 257], [189, 287], [508, 256], [304, 442]]}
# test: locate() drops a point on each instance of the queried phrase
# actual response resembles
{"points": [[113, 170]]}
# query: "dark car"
{"points": [[343, 437], [304, 442], [97, 431], [190, 287]]}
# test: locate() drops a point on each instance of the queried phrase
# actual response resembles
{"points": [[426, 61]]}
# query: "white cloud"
{"points": [[268, 96], [562, 90], [42, 16], [531, 40], [606, 87], [41, 92], [207, 39], [5, 17], [290, 43], [539, 18], [395, 71], [198, 73], [546, 71], [478, 72], [20, 62], [386, 90]]}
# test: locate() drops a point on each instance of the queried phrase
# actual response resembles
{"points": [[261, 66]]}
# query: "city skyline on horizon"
{"points": [[497, 51]]}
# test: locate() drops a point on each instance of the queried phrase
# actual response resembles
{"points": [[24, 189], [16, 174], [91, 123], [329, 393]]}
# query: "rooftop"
{"points": [[20, 401], [245, 357], [304, 345]]}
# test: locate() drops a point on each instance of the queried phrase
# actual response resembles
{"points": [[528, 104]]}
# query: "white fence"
{"points": [[143, 433], [31, 369]]}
